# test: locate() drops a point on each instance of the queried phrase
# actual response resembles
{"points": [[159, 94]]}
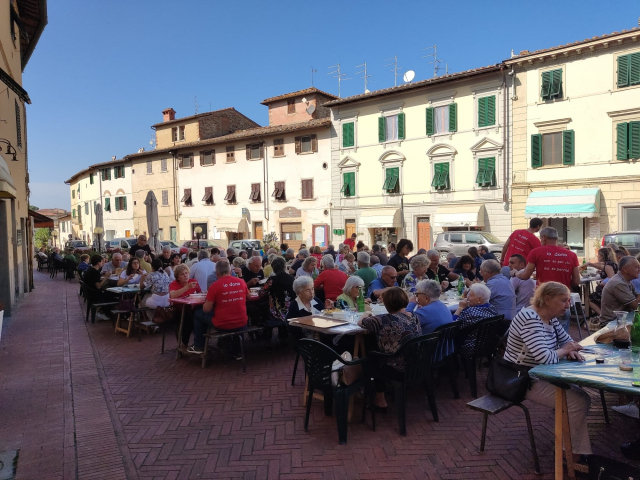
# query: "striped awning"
{"points": [[573, 203]]}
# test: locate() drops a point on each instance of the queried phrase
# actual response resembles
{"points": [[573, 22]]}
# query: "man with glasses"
{"points": [[387, 280]]}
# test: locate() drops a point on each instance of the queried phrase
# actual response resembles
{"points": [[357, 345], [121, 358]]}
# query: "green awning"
{"points": [[571, 203]]}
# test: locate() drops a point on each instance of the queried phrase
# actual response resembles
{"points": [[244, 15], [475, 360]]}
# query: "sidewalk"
{"points": [[81, 402]]}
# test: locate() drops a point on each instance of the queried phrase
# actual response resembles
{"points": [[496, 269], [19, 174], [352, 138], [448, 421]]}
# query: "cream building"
{"points": [[576, 138], [21, 24], [422, 158]]}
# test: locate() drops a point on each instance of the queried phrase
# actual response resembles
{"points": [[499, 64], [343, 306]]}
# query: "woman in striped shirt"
{"points": [[536, 337]]}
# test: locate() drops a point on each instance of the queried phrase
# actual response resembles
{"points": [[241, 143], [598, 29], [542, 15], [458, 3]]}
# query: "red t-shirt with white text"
{"points": [[553, 264], [522, 242], [229, 297]]}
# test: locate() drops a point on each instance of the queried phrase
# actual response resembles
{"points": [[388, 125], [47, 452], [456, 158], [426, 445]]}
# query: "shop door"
{"points": [[424, 233], [349, 228], [291, 234], [257, 230]]}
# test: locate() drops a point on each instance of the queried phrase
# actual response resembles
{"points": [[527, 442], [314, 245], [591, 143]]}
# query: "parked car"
{"points": [[629, 240], [125, 243], [77, 246], [113, 246], [459, 243], [248, 244], [175, 248], [193, 245]]}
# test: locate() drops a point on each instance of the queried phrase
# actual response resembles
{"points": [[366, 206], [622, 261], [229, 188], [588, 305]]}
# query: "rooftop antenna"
{"points": [[152, 142], [312, 72], [395, 69], [195, 103], [364, 76], [436, 62], [339, 75]]}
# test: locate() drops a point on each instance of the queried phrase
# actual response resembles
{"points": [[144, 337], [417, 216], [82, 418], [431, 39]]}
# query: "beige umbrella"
{"points": [[152, 221]]}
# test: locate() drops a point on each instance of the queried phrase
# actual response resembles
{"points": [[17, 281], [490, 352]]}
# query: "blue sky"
{"points": [[103, 71]]}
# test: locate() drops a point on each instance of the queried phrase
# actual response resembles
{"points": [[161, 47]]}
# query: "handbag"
{"points": [[345, 374], [127, 302], [162, 315], [508, 380]]}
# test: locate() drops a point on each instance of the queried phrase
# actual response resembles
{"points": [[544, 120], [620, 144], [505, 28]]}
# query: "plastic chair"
{"points": [[69, 269], [418, 356], [575, 302], [94, 301], [318, 361], [445, 356]]}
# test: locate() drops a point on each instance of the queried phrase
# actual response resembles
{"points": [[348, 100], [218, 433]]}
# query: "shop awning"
{"points": [[380, 218], [227, 224], [579, 203], [243, 226], [40, 221], [7, 189], [468, 215]]}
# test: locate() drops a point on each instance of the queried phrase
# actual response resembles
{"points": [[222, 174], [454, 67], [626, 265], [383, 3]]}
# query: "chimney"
{"points": [[168, 115]]}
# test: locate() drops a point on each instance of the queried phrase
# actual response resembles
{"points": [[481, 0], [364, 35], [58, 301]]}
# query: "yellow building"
{"points": [[576, 138], [21, 24]]}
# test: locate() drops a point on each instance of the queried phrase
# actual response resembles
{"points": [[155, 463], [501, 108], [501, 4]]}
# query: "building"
{"points": [[576, 138], [422, 158], [21, 24], [55, 214], [65, 229]]}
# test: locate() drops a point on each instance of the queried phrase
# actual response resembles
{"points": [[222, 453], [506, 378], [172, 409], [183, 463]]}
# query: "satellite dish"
{"points": [[366, 90], [311, 109], [304, 99], [409, 75]]}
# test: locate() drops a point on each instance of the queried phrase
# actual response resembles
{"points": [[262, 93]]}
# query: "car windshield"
{"points": [[492, 238], [132, 242], [255, 244], [627, 240]]}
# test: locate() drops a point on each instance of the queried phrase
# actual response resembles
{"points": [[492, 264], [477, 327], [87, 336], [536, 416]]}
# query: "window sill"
{"points": [[254, 159], [208, 165], [392, 143], [308, 199], [208, 204], [551, 100], [549, 167], [441, 135], [164, 205], [230, 161], [186, 168], [255, 201], [278, 156], [306, 153]]}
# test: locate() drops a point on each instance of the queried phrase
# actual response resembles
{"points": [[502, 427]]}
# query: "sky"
{"points": [[103, 71]]}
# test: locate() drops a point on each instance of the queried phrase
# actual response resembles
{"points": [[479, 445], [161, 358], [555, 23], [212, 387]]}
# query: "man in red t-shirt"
{"points": [[331, 280], [521, 242], [351, 242], [553, 264], [228, 296]]}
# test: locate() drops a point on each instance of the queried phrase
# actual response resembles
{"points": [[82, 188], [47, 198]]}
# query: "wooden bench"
{"points": [[135, 318], [213, 333], [492, 405]]}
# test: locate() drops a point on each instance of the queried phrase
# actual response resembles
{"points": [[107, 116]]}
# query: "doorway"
{"points": [[349, 228], [174, 234], [291, 234], [257, 231], [424, 233]]}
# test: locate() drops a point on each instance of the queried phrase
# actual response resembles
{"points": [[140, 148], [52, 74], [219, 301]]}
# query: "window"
{"points": [[149, 167], [208, 157], [79, 214], [208, 196], [628, 70], [18, 124], [231, 154], [628, 140], [441, 176], [442, 119], [19, 237], [174, 134], [121, 203], [278, 148], [551, 82], [348, 184], [86, 209], [455, 237], [486, 111], [118, 172], [254, 151], [307, 189], [165, 198], [64, 224], [181, 136], [291, 105], [348, 137], [306, 144], [163, 165], [186, 198], [474, 238], [486, 172], [186, 161], [552, 149], [392, 180], [230, 197], [107, 204], [73, 194], [106, 174], [91, 178], [278, 192], [74, 213], [391, 128], [631, 218], [255, 193]]}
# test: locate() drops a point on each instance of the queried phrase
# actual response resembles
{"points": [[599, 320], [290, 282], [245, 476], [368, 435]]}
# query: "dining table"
{"points": [[605, 376], [191, 301]]}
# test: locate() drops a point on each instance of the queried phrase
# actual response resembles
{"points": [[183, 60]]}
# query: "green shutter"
{"points": [[440, 176], [491, 110], [490, 176], [634, 68], [482, 112], [453, 117], [352, 184], [430, 130], [444, 180], [622, 141], [391, 179], [634, 139], [556, 84], [347, 135], [568, 146], [482, 170], [107, 204], [73, 194], [117, 204], [436, 175], [348, 184], [401, 126], [91, 178], [536, 150], [546, 85], [623, 72], [122, 173], [381, 129], [125, 203], [74, 213]]}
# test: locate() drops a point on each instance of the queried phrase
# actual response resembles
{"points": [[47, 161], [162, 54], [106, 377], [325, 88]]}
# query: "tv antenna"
{"points": [[195, 104], [337, 73], [364, 76], [152, 142], [436, 62], [312, 72], [395, 69]]}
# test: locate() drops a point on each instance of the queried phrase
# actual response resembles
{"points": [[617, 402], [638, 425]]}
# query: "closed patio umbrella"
{"points": [[152, 221], [99, 223]]}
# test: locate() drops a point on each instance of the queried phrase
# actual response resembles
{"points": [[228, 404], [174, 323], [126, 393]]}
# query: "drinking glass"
{"points": [[625, 356], [635, 354], [352, 314]]}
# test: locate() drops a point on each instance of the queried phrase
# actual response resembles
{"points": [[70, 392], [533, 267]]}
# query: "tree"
{"points": [[42, 236], [33, 208]]}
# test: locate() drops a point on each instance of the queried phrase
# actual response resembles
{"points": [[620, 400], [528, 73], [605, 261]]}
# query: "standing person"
{"points": [[201, 270], [522, 241], [377, 251], [524, 288], [553, 263], [400, 260], [351, 242], [365, 272], [140, 245]]}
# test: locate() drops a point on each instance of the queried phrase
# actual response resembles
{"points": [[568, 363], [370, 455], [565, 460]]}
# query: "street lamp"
{"points": [[98, 231], [198, 231], [54, 234], [136, 232]]}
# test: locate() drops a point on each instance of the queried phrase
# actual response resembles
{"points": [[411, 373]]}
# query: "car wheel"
{"points": [[443, 256]]}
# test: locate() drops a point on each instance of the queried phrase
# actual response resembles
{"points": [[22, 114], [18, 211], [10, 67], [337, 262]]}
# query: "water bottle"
{"points": [[635, 330], [360, 300], [460, 285]]}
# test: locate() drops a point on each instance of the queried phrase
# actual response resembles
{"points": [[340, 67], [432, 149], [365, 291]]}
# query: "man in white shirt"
{"points": [[201, 270], [524, 288]]}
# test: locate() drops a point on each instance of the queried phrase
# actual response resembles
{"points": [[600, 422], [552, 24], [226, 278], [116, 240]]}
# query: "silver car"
{"points": [[459, 243]]}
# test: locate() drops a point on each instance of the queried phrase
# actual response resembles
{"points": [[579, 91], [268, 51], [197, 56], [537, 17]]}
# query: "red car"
{"points": [[193, 245]]}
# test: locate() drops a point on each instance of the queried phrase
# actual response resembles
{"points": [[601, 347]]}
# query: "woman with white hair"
{"points": [[308, 268], [426, 305], [331, 280], [350, 293], [472, 309], [419, 265], [306, 302]]}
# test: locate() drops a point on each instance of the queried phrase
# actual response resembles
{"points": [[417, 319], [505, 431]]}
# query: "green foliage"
{"points": [[271, 239], [42, 236], [33, 208]]}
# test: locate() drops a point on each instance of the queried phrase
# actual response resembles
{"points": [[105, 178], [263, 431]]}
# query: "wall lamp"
{"points": [[10, 150]]}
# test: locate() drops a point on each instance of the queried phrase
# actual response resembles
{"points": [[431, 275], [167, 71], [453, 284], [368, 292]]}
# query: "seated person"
{"points": [[227, 300], [387, 280], [331, 280], [347, 264], [503, 298], [279, 291], [472, 309], [350, 293], [131, 275], [192, 258], [452, 260], [252, 272], [144, 264], [608, 267], [56, 255], [92, 275], [308, 268], [306, 303], [115, 266], [70, 257], [84, 263], [157, 282], [464, 267], [618, 293], [365, 272], [485, 253], [181, 287], [439, 272], [165, 258], [419, 264], [426, 305], [374, 262], [42, 253], [523, 289]]}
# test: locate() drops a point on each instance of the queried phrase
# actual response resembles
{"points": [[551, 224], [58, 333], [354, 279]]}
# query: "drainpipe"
{"points": [[505, 117], [176, 193]]}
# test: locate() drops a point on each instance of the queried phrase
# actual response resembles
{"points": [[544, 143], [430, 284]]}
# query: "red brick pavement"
{"points": [[172, 420]]}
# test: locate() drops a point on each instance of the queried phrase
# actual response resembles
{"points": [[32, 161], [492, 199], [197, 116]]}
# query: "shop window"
{"points": [[631, 218], [571, 232]]}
